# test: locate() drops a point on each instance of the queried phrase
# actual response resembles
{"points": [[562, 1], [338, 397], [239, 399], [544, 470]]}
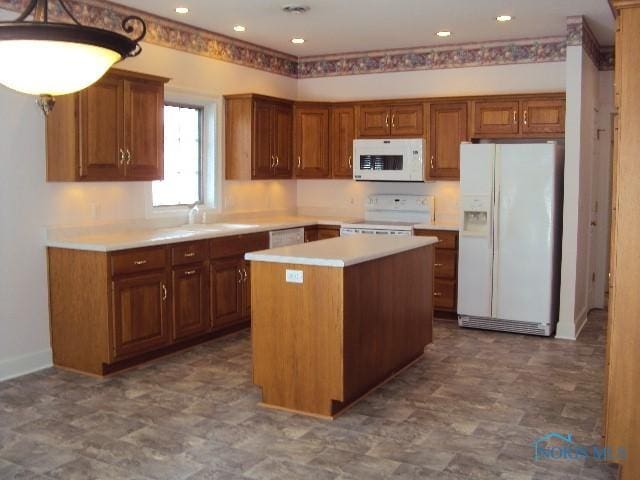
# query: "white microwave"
{"points": [[389, 160]]}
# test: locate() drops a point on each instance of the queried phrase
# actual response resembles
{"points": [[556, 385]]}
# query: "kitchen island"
{"points": [[332, 320]]}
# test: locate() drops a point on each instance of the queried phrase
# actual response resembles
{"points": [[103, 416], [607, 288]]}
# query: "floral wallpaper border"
{"points": [[171, 34]]}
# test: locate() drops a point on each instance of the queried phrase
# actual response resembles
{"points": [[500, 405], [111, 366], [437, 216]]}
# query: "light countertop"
{"points": [[341, 251], [107, 240]]}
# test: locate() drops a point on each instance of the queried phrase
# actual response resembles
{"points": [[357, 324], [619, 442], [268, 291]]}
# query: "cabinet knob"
{"points": [[190, 254], [437, 294], [139, 262], [190, 272], [437, 265]]}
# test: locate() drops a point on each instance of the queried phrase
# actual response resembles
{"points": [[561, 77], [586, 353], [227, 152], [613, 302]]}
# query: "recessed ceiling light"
{"points": [[297, 40], [504, 18], [443, 33], [239, 28], [182, 10]]}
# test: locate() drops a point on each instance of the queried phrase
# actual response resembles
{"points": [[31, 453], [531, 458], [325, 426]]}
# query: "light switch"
{"points": [[294, 276]]}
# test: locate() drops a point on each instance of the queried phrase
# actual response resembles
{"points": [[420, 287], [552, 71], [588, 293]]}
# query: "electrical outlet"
{"points": [[294, 276]]}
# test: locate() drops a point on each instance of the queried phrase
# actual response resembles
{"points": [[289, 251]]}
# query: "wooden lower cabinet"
{"points": [[140, 314], [227, 285], [112, 310], [190, 287], [321, 232], [445, 268]]}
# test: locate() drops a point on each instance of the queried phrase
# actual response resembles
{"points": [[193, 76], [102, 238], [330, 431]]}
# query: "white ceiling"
{"points": [[339, 26]]}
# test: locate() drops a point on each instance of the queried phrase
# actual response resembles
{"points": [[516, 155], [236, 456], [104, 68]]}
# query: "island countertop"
{"points": [[341, 251]]}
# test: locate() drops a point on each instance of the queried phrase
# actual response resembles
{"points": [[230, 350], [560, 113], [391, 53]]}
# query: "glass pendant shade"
{"points": [[43, 67], [44, 58]]}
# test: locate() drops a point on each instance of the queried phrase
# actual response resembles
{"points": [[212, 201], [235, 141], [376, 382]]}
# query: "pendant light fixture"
{"points": [[46, 58]]}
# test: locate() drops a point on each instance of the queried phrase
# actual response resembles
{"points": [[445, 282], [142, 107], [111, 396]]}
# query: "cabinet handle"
{"points": [[433, 162], [386, 120], [525, 117], [190, 254], [128, 157], [393, 120], [437, 294], [273, 161], [121, 157], [515, 117], [164, 292], [350, 163], [277, 161], [438, 265], [299, 162], [190, 272], [139, 262], [246, 275], [239, 275]]}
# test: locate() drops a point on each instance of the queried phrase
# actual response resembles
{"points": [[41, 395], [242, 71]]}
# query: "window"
{"points": [[183, 157]]}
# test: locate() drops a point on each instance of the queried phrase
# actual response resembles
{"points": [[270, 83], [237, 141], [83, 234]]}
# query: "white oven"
{"points": [[389, 160]]}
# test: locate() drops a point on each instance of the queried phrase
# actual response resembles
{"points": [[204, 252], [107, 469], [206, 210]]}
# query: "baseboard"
{"points": [[24, 364], [581, 320]]}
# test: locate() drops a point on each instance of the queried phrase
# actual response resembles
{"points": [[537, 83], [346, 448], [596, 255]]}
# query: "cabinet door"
{"points": [[543, 116], [262, 158], [448, 125], [102, 128], [496, 117], [144, 130], [246, 290], [226, 291], [444, 294], [139, 314], [375, 122], [406, 120], [283, 140], [312, 142], [190, 287], [341, 140]]}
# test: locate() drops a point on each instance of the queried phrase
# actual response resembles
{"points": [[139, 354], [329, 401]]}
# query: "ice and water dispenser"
{"points": [[476, 215]]}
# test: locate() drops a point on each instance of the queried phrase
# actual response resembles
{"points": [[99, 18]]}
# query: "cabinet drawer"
{"points": [[448, 240], [238, 244], [444, 294], [445, 264], [190, 252], [132, 261]]}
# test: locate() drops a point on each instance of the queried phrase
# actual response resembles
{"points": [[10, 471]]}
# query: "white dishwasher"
{"points": [[289, 236]]}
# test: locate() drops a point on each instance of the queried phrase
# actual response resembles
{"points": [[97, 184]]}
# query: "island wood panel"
{"points": [[79, 309], [320, 345], [388, 320], [623, 390], [296, 333]]}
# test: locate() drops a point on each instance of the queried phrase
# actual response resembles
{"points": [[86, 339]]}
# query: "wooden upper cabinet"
{"points": [[525, 117], [262, 161], [282, 136], [144, 130], [406, 120], [401, 120], [341, 136], [258, 137], [374, 121], [311, 142], [112, 130], [140, 319], [542, 116], [496, 117], [448, 128]]}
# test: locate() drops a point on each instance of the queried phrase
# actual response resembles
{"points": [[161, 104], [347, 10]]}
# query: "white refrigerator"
{"points": [[510, 234]]}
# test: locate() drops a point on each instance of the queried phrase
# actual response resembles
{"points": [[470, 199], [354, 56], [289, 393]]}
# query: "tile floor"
{"points": [[470, 409]]}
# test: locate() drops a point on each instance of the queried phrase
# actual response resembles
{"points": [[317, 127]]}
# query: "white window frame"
{"points": [[211, 154]]}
